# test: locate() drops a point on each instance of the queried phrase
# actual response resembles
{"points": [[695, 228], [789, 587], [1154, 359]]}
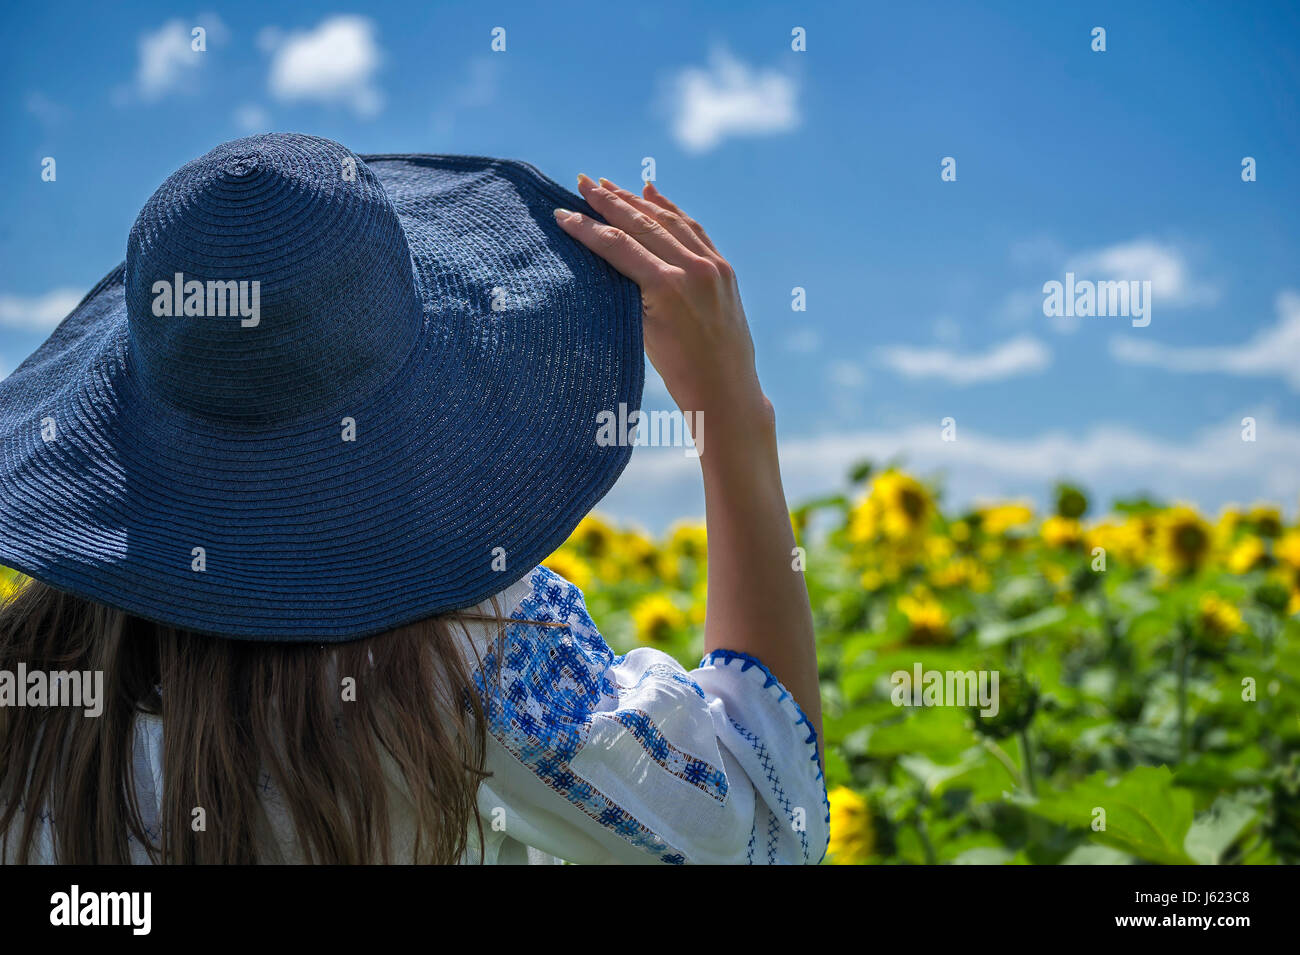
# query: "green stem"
{"points": [[1000, 754], [1182, 691], [1027, 755], [922, 801]]}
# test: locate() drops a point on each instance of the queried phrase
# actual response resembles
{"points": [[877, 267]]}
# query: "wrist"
{"points": [[736, 434], [726, 408]]}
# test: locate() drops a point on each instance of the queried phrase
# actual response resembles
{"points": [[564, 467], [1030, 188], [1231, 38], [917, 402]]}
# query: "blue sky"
{"points": [[817, 169]]}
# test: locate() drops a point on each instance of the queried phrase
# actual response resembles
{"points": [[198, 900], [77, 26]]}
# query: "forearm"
{"points": [[697, 336], [757, 600]]}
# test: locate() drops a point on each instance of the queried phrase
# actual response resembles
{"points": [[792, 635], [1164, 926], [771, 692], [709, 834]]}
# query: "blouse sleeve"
{"points": [[599, 758]]}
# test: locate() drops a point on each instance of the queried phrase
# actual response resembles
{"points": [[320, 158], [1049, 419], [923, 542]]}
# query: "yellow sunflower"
{"points": [[699, 602], [927, 621], [594, 537], [872, 580], [685, 553], [571, 567], [637, 556], [656, 618], [1218, 619], [853, 836], [939, 548], [1001, 518], [1184, 540], [1230, 519], [1061, 532], [1287, 549], [1122, 540], [961, 572], [1266, 519], [898, 508], [1246, 555], [688, 539]]}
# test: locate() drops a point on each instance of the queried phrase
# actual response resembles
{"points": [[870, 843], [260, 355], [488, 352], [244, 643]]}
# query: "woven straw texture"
{"points": [[432, 300]]}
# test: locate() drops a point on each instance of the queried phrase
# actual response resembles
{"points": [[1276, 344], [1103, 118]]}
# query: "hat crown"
{"points": [[268, 279]]}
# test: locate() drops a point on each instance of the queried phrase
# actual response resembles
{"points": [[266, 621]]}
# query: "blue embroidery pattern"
{"points": [[43, 815], [774, 783], [697, 772], [153, 832], [545, 689], [773, 834], [727, 657]]}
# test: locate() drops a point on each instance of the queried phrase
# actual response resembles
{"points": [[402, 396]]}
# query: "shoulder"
{"points": [[541, 596]]}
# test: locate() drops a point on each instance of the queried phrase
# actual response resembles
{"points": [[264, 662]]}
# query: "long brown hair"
{"points": [[237, 715]]}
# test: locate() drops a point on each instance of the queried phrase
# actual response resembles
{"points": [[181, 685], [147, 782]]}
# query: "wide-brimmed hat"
{"points": [[325, 395]]}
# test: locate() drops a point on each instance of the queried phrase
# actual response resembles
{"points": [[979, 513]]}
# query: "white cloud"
{"points": [[168, 62], [252, 118], [1211, 467], [730, 99], [846, 374], [39, 312], [1273, 351], [1163, 265], [48, 112], [1018, 356], [333, 63], [804, 341]]}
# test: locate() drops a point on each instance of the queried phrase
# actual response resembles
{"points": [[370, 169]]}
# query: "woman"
{"points": [[284, 478]]}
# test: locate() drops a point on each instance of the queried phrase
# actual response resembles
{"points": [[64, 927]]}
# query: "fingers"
{"points": [[653, 195], [615, 246], [642, 227], [675, 223]]}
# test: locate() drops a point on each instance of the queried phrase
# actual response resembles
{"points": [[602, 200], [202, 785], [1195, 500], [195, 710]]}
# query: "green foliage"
{"points": [[1140, 812], [1161, 686]]}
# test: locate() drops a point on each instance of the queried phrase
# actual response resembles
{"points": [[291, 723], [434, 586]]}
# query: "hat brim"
{"points": [[468, 468]]}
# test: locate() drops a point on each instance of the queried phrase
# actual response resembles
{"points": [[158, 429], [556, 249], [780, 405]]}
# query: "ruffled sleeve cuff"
{"points": [[763, 728], [598, 757]]}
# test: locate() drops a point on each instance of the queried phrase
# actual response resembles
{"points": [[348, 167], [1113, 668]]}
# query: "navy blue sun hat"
{"points": [[325, 395]]}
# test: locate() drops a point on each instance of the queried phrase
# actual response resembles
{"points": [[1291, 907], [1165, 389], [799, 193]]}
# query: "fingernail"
{"points": [[606, 183], [651, 186], [583, 177], [562, 214]]}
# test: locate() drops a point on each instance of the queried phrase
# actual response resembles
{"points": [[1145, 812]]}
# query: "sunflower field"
{"points": [[1148, 662]]}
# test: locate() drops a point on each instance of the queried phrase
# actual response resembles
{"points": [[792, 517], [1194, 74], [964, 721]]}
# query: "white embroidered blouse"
{"points": [[601, 758]]}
